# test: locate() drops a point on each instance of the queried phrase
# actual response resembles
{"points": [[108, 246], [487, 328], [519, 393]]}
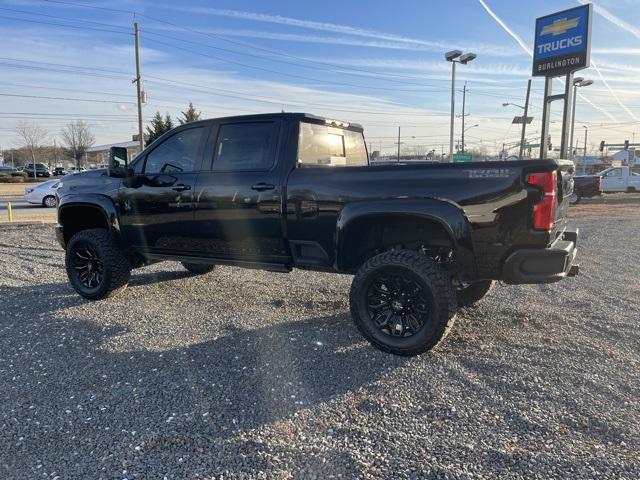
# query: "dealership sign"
{"points": [[563, 42]]}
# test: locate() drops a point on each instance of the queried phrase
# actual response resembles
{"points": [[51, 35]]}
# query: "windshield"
{"points": [[322, 145]]}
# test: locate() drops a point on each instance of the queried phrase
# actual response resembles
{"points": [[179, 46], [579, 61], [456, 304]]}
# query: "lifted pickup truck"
{"points": [[292, 190]]}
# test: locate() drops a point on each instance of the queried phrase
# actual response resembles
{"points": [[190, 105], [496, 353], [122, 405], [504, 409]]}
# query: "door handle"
{"points": [[181, 187], [261, 187]]}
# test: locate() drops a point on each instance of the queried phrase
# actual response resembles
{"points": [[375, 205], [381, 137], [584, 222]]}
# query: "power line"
{"points": [[276, 72], [43, 97], [64, 89], [27, 12], [341, 68], [63, 25], [67, 114]]}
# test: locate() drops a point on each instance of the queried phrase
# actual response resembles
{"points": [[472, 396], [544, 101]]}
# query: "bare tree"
{"points": [[32, 136], [78, 139]]}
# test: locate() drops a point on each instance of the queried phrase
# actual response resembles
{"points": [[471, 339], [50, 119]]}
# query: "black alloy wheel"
{"points": [[96, 264], [403, 302], [397, 303], [87, 265]]}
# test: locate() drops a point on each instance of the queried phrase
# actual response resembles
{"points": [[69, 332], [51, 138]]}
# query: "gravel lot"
{"points": [[245, 374]]}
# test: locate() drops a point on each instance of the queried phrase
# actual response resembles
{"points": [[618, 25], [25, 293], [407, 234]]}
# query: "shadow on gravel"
{"points": [[57, 372], [148, 278]]}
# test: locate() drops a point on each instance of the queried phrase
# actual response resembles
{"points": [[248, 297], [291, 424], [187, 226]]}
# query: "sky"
{"points": [[374, 62]]}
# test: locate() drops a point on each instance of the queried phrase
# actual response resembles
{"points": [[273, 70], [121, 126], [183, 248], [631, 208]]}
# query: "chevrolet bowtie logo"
{"points": [[560, 26]]}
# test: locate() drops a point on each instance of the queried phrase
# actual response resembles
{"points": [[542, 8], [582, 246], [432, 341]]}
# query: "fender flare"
{"points": [[444, 212], [99, 202]]}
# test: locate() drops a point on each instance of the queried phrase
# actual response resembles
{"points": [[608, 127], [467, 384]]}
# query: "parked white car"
{"points": [[619, 179], [43, 194]]}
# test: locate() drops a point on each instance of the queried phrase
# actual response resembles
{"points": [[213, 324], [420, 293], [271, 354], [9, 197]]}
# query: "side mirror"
{"points": [[118, 162]]}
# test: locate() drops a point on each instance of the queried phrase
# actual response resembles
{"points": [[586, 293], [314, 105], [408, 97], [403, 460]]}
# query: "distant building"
{"points": [[627, 157], [99, 155]]}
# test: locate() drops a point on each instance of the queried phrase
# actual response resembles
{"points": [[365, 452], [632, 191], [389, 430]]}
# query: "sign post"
{"points": [[562, 46]]}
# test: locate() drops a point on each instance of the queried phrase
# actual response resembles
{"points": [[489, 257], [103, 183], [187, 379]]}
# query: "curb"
{"points": [[8, 225]]}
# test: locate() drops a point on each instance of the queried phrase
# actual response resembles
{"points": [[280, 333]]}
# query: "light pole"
{"points": [[524, 118], [464, 130], [577, 82], [455, 56]]}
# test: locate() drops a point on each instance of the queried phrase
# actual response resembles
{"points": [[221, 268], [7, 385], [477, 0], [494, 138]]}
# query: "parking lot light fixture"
{"points": [[578, 82], [513, 105], [455, 56]]}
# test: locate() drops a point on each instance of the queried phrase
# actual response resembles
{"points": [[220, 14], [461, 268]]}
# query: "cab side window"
{"points": [[245, 146], [177, 154]]}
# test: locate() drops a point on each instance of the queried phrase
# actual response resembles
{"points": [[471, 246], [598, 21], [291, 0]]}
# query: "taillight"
{"points": [[598, 182], [545, 210]]}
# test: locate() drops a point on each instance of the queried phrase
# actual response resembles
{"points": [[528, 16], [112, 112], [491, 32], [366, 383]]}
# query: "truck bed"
{"points": [[493, 196]]}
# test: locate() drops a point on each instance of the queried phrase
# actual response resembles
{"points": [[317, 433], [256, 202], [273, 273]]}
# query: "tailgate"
{"points": [[566, 171]]}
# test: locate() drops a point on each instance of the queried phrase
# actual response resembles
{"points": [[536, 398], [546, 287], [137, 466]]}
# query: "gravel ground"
{"points": [[245, 374]]}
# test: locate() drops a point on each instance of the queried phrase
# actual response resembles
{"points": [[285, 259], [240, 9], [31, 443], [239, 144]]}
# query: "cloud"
{"points": [[380, 39], [617, 21], [513, 34], [616, 51], [429, 66]]}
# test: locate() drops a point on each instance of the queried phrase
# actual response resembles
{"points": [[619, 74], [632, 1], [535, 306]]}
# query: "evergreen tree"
{"points": [[168, 123], [158, 126], [191, 115]]}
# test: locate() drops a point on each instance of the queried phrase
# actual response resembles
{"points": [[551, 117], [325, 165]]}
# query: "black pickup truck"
{"points": [[585, 186], [292, 190]]}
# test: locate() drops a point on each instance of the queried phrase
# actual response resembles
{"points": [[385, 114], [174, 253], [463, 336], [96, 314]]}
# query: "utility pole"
{"points": [[464, 99], [55, 152], [453, 106], [524, 119], [586, 130], [138, 82], [398, 144]]}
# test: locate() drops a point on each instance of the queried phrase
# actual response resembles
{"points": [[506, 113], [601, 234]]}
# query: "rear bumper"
{"points": [[543, 265]]}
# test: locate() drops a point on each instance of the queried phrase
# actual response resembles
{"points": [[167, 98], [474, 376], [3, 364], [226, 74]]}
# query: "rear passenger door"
{"points": [[239, 199]]}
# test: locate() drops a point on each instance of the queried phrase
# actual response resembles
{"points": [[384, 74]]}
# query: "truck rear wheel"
{"points": [[403, 302], [472, 293], [575, 198], [198, 268], [96, 265]]}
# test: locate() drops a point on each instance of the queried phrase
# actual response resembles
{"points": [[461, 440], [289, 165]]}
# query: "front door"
{"points": [[239, 200], [613, 181], [157, 204]]}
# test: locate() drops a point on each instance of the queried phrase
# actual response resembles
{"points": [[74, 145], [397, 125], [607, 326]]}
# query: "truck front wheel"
{"points": [[96, 265], [403, 302], [471, 293]]}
